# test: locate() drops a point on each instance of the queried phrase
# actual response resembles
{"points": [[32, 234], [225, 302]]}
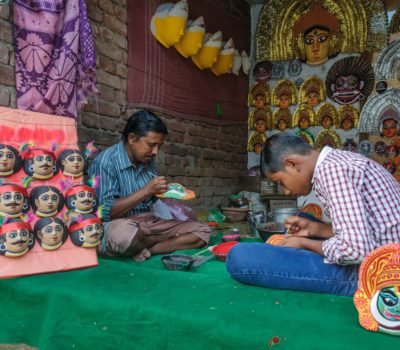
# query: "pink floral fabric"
{"points": [[54, 56]]}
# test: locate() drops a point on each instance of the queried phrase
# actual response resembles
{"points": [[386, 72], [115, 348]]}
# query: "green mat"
{"points": [[122, 304]]}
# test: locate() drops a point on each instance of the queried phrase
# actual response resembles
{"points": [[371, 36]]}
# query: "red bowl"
{"points": [[221, 250]]}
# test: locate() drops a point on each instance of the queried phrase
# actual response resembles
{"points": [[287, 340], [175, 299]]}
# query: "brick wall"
{"points": [[208, 158]]}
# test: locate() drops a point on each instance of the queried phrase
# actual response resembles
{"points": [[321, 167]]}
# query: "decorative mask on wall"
{"points": [[349, 80], [304, 117], [390, 122], [262, 71], [316, 35], [350, 145], [295, 68], [282, 119], [192, 39], [46, 201], [81, 198], [286, 27], [177, 191], [348, 117], [86, 230], [374, 110], [284, 94], [377, 298], [51, 233], [208, 53], [260, 120], [40, 163], [16, 238], [259, 96], [168, 23], [224, 61], [13, 200], [365, 148], [72, 162], [10, 160], [312, 91], [256, 142], [327, 137], [327, 116]]}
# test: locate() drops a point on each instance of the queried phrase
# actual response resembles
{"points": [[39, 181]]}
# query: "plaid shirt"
{"points": [[120, 178], [363, 201]]}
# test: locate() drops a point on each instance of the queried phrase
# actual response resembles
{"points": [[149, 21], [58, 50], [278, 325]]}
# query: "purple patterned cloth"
{"points": [[55, 63]]}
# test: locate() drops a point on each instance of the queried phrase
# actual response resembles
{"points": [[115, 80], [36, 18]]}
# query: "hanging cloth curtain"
{"points": [[54, 56]]}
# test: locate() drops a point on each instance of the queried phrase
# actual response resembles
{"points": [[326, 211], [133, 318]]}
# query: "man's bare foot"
{"points": [[142, 255]]}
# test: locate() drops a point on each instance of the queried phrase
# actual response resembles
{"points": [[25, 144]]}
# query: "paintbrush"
{"points": [[297, 214]]}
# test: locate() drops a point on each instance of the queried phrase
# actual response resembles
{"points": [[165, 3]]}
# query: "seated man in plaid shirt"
{"points": [[362, 200]]}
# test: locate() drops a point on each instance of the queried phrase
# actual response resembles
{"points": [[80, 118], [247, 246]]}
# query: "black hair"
{"points": [[18, 159], [277, 147], [38, 191], [140, 123]]}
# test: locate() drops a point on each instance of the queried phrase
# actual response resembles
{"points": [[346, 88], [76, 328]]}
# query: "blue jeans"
{"points": [[277, 267]]}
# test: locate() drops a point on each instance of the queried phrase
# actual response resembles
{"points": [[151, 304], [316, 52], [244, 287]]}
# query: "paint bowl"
{"points": [[178, 262], [221, 250], [232, 237]]}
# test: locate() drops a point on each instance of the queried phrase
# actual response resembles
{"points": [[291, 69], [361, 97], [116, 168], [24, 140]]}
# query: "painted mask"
{"points": [[262, 71], [51, 233], [10, 160], [365, 148], [327, 121], [282, 126], [13, 200], [284, 101], [347, 89], [347, 124], [378, 294], [260, 125], [304, 122], [81, 198], [259, 101], [46, 201], [389, 128], [16, 238], [380, 148], [317, 46], [312, 98], [72, 162], [40, 164], [350, 145], [177, 191], [87, 232]]}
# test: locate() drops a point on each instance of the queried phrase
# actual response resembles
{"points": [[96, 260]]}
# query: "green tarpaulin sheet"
{"points": [[123, 304]]}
